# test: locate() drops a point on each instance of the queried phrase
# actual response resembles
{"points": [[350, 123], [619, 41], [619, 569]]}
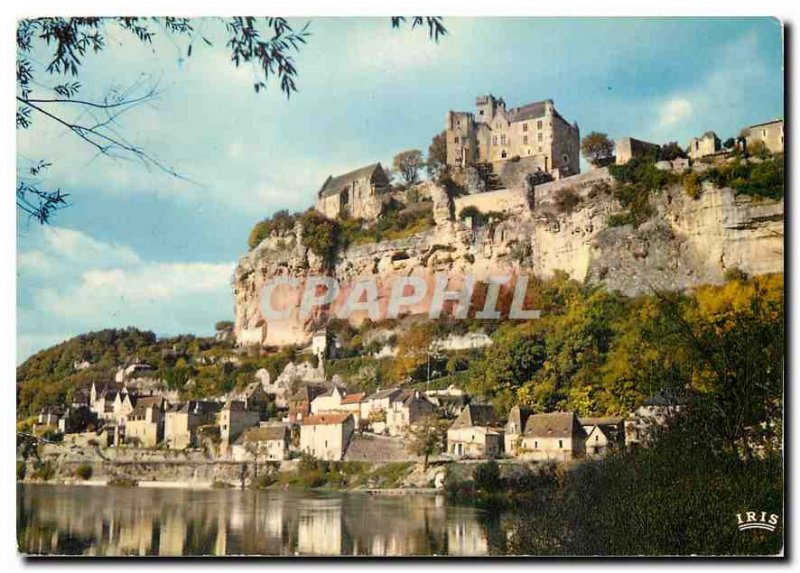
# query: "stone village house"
{"points": [[475, 434], [556, 436], [403, 414], [182, 421], [233, 419], [326, 436], [144, 426], [265, 443], [602, 435]]}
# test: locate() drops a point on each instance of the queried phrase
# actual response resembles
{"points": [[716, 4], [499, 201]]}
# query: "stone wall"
{"points": [[503, 200]]}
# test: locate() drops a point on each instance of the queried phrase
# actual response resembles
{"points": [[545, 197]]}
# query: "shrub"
{"points": [[280, 222], [487, 477], [567, 199], [44, 471], [692, 184], [84, 471], [320, 235]]}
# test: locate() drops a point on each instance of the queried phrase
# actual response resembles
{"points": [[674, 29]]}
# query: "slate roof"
{"points": [[552, 425], [388, 393], [334, 185], [766, 123], [262, 434], [475, 415], [527, 111], [519, 416]]}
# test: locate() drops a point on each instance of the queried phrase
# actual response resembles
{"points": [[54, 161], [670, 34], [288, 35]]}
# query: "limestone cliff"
{"points": [[685, 243]]}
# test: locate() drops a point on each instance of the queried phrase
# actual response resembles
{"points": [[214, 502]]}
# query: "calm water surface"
{"points": [[81, 520]]}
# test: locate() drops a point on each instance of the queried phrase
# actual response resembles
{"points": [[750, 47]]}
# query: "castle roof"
{"points": [[334, 185], [527, 111]]}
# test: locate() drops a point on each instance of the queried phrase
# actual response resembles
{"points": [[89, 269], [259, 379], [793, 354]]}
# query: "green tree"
{"points": [[427, 438]]}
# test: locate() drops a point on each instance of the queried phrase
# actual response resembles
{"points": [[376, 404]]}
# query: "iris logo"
{"points": [[757, 520]]}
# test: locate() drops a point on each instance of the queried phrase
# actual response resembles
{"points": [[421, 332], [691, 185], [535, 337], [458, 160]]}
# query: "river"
{"points": [[85, 520]]}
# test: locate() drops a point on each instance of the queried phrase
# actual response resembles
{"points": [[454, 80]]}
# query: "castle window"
{"points": [[524, 127], [540, 149], [560, 444], [539, 137], [503, 139], [494, 140], [525, 140], [539, 124], [455, 139]]}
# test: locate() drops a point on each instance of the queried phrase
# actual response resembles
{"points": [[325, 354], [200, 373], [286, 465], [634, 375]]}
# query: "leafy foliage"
{"points": [[408, 163], [635, 181], [281, 222], [597, 147], [46, 87]]}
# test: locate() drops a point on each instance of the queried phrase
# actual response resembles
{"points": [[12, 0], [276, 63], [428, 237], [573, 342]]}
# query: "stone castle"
{"points": [[535, 131]]}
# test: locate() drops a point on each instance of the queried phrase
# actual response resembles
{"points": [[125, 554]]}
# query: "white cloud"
{"points": [[673, 112], [74, 283]]}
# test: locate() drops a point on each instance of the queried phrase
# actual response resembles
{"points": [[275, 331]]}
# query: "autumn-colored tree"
{"points": [[597, 147], [407, 164], [437, 156]]}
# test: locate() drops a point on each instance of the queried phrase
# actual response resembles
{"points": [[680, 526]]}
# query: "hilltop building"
{"points": [[706, 144], [771, 133], [357, 194], [497, 134]]}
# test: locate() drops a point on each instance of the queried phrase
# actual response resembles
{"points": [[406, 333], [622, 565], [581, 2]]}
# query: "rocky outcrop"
{"points": [[686, 242]]}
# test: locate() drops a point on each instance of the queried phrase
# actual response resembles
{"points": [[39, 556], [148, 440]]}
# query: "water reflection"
{"points": [[139, 521]]}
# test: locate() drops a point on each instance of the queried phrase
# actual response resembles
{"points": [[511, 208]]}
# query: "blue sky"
{"points": [[138, 247]]}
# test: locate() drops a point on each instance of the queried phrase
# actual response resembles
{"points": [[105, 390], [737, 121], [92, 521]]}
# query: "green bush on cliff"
{"points": [[280, 222], [634, 182], [84, 471]]}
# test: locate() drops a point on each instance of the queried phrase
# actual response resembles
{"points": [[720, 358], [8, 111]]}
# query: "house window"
{"points": [[503, 154], [539, 124], [560, 444], [524, 140], [524, 127], [535, 445], [597, 438], [455, 139], [540, 149], [764, 133], [480, 112], [494, 140], [539, 138], [503, 139]]}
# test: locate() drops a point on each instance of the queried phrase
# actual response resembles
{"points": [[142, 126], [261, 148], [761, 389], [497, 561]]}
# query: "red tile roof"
{"points": [[353, 398], [320, 419]]}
